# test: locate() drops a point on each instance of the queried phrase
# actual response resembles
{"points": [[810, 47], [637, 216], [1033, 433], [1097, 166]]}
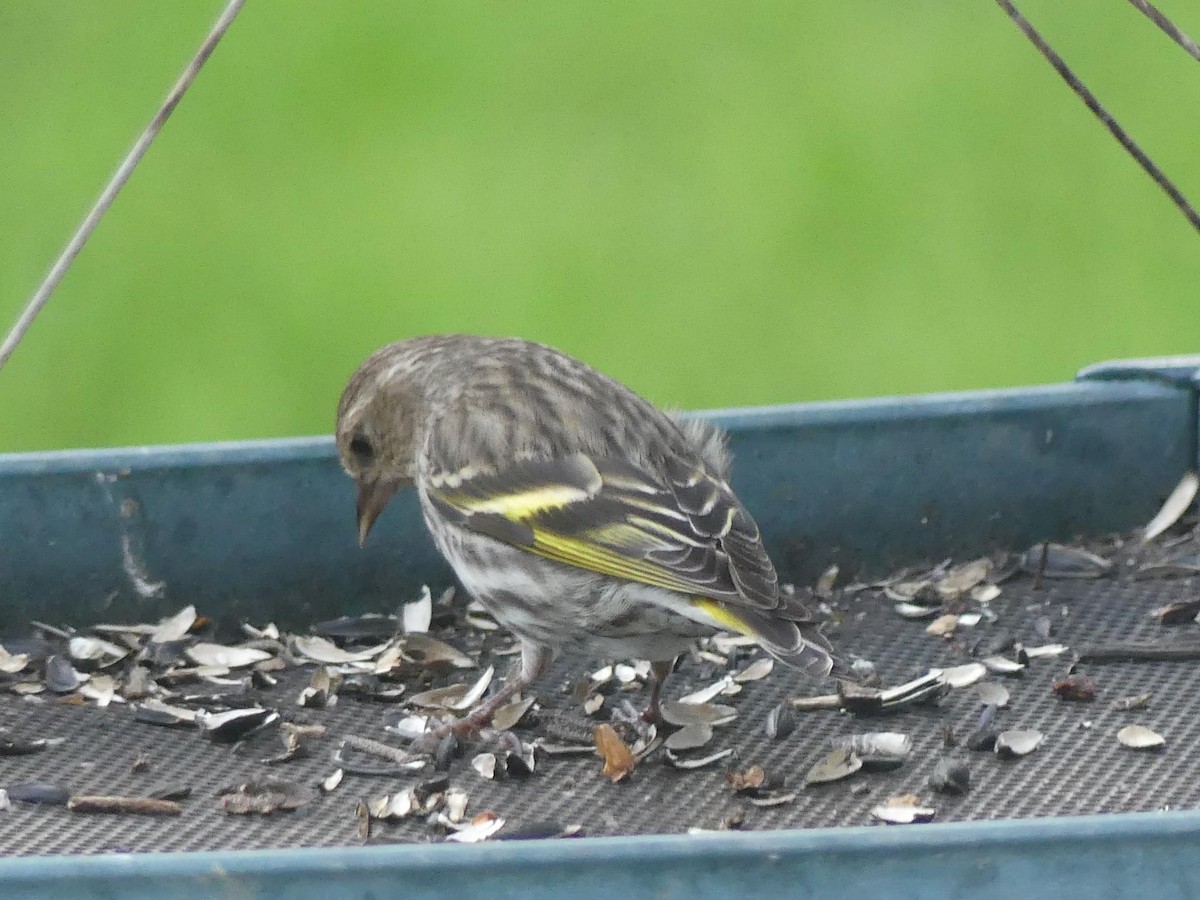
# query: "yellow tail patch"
{"points": [[721, 615]]}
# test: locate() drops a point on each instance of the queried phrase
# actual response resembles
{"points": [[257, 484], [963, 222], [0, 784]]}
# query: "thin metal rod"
{"points": [[118, 180], [1155, 15], [1102, 114]]}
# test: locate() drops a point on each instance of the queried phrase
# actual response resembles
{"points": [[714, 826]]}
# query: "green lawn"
{"points": [[719, 203]]}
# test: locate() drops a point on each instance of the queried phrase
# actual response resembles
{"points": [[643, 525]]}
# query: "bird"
{"points": [[581, 516]]}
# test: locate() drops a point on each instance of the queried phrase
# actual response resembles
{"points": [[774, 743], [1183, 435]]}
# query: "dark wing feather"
{"points": [[689, 534], [713, 509]]}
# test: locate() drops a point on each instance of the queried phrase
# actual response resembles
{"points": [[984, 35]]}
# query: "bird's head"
{"points": [[379, 421]]}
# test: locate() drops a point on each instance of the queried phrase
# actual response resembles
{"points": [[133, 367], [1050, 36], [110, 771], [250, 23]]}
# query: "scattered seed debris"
{"points": [[205, 654], [516, 763], [725, 685], [962, 578], [418, 615], [903, 810], [627, 674], [156, 712], [982, 738], [323, 650], [683, 761], [1045, 651], [1179, 613], [868, 701], [834, 766], [362, 812], [683, 714], [175, 792], [992, 694], [410, 728], [448, 749], [964, 675], [94, 649], [237, 724], [187, 681], [766, 801], [1017, 742], [690, 737], [13, 746], [60, 676], [447, 697], [824, 701], [1002, 665], [456, 805], [1139, 651], [876, 750], [727, 643], [780, 723], [368, 627], [263, 797], [330, 784], [402, 759], [1076, 688], [1061, 561], [173, 628], [132, 806], [511, 714], [985, 593], [1139, 737], [593, 704], [756, 671], [39, 793], [951, 776], [918, 592], [942, 626], [1175, 506], [550, 748], [618, 759], [295, 740], [748, 782], [482, 827], [12, 663], [102, 689], [476, 691], [1136, 701], [863, 668], [485, 765], [1182, 566]]}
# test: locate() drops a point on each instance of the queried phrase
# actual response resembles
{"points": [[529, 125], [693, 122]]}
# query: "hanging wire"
{"points": [[1101, 113], [1155, 15], [118, 180]]}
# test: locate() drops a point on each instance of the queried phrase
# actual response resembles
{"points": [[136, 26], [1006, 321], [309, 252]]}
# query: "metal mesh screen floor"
{"points": [[1079, 768]]}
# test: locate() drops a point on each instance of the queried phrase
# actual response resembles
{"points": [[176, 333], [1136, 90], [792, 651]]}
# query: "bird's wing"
{"points": [[686, 532]]}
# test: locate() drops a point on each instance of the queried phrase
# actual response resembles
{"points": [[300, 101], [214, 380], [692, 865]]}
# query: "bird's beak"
{"points": [[373, 496]]}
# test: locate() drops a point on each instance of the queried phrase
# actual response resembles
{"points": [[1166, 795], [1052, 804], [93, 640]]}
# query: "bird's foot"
{"points": [[464, 729], [652, 715]]}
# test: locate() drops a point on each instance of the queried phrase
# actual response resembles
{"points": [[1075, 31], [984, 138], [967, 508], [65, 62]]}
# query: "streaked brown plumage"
{"points": [[573, 509]]}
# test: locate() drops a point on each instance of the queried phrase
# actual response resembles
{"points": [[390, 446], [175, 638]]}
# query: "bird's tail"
{"points": [[788, 634]]}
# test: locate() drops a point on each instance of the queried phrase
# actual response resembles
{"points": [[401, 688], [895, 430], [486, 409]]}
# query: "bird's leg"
{"points": [[535, 659], [660, 670]]}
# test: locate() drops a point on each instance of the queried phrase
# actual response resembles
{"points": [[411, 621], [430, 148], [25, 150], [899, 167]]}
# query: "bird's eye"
{"points": [[362, 449]]}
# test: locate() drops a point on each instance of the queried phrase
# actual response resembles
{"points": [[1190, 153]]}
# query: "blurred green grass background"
{"points": [[718, 203]]}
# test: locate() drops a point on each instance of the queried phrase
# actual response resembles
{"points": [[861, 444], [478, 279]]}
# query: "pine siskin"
{"points": [[576, 512]]}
